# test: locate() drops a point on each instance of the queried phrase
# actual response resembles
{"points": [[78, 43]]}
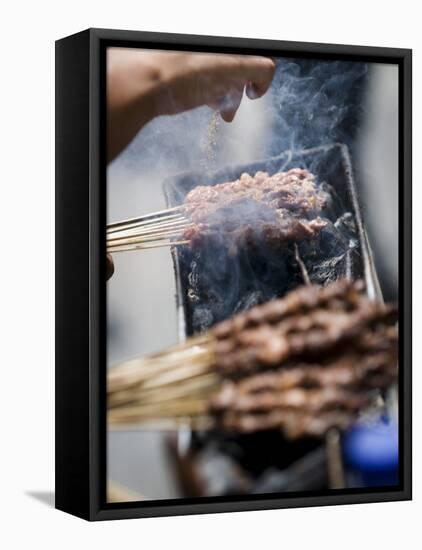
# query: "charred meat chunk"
{"points": [[305, 363], [274, 209]]}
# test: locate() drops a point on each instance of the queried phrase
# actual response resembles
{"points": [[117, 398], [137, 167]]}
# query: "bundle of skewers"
{"points": [[303, 364], [281, 208], [148, 231]]}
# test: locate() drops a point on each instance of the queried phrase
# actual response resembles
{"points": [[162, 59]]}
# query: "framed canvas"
{"points": [[233, 274]]}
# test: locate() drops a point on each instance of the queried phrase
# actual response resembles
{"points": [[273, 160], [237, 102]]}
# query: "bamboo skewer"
{"points": [[119, 493], [155, 230], [167, 236], [149, 230], [178, 385], [172, 384], [146, 228], [137, 373], [153, 235], [116, 226], [145, 246], [200, 383]]}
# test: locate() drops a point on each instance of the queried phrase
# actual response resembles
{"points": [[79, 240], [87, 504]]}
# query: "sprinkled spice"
{"points": [[210, 142]]}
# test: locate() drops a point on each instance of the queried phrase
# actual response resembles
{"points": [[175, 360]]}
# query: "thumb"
{"points": [[109, 266]]}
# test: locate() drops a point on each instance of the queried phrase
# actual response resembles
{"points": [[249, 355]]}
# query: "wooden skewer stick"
{"points": [[120, 493], [144, 217], [167, 237], [146, 239], [186, 407], [145, 246], [203, 383], [164, 373], [139, 371], [193, 347], [334, 459], [152, 236], [302, 266], [131, 232], [141, 244], [190, 344], [150, 224], [200, 422], [173, 384]]}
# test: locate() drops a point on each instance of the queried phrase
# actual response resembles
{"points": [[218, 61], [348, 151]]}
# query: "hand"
{"points": [[217, 80], [144, 84]]}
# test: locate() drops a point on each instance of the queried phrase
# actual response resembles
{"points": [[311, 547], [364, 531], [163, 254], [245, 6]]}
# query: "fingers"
{"points": [[109, 266], [253, 73], [251, 91], [261, 74], [247, 69], [217, 80], [264, 69], [230, 104], [228, 114]]}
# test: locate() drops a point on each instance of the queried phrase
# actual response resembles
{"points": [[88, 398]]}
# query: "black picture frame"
{"points": [[81, 284]]}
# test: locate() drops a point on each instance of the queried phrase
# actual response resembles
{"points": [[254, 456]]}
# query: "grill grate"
{"points": [[212, 286]]}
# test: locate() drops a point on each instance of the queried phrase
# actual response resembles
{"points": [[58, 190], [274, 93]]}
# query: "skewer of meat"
{"points": [[274, 210], [303, 364]]}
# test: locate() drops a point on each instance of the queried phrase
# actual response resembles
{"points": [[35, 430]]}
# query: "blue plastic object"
{"points": [[372, 453]]}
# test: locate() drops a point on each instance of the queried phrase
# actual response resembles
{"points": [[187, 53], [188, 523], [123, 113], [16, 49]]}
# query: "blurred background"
{"points": [[310, 103]]}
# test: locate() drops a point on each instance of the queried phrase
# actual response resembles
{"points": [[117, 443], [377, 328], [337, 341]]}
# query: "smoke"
{"points": [[224, 275], [316, 103], [309, 103]]}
